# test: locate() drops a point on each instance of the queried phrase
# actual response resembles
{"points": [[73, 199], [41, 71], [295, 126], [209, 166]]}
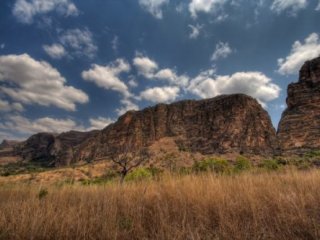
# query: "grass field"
{"points": [[265, 205]]}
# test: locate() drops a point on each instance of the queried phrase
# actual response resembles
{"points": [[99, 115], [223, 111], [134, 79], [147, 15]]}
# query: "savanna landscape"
{"points": [[159, 119]]}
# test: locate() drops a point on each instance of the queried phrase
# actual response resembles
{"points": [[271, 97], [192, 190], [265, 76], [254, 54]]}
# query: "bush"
{"points": [[217, 165], [139, 174], [42, 193], [313, 154], [270, 164], [242, 163]]}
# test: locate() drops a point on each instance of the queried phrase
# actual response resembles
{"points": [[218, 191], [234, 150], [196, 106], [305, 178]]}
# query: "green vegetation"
{"points": [[21, 168], [242, 163], [270, 164], [217, 165], [139, 174]]}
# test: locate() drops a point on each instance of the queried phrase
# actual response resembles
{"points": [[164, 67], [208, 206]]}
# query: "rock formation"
{"points": [[225, 124], [52, 149], [299, 128]]}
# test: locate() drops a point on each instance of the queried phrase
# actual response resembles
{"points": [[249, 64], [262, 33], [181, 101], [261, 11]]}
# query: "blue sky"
{"points": [[79, 64]]}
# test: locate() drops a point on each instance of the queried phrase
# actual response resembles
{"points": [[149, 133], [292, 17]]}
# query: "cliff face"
{"points": [[299, 127], [51, 149], [225, 124]]}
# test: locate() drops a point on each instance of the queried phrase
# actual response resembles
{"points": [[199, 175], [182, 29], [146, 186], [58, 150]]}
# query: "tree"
{"points": [[128, 159]]}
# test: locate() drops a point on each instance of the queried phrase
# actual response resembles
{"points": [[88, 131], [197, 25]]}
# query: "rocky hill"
{"points": [[299, 128], [225, 124]]}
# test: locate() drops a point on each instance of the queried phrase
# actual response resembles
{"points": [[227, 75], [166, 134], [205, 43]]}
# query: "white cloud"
{"points": [[160, 94], [80, 42], [6, 106], [55, 51], [255, 84], [22, 125], [37, 82], [171, 77], [25, 10], [115, 43], [195, 31], [279, 6], [2, 46], [145, 66], [222, 50], [99, 123], [108, 76], [206, 6], [300, 53], [318, 7], [154, 6], [127, 105]]}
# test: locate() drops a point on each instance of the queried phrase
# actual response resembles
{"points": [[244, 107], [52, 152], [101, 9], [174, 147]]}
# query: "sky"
{"points": [[79, 64]]}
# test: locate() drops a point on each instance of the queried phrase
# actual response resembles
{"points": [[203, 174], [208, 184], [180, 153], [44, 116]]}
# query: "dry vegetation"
{"points": [[251, 205]]}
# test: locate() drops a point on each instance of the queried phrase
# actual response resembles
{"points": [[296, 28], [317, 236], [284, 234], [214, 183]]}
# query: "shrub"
{"points": [[217, 165], [270, 164], [42, 193], [139, 174], [242, 163], [313, 154]]}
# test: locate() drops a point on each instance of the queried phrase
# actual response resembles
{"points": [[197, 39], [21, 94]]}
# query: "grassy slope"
{"points": [[274, 205]]}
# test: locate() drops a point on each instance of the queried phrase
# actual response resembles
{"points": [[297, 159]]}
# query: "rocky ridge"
{"points": [[299, 127]]}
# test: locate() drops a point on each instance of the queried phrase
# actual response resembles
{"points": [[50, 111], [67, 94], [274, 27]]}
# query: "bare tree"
{"points": [[129, 159]]}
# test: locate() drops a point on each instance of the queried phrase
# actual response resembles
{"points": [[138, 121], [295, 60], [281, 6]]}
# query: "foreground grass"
{"points": [[274, 205]]}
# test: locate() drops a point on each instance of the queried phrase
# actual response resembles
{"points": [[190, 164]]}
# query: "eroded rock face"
{"points": [[52, 149], [299, 128], [230, 123]]}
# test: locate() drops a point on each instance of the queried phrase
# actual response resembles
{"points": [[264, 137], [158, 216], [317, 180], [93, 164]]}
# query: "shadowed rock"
{"points": [[299, 127]]}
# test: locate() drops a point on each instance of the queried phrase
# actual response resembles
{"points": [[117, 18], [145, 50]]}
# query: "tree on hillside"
{"points": [[128, 158]]}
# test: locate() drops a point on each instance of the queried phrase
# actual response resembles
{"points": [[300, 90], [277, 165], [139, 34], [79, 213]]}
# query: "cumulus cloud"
{"points": [[127, 105], [29, 81], [154, 7], [79, 41], [150, 70], [6, 106], [300, 52], [255, 84], [279, 6], [171, 77], [25, 10], [195, 31], [108, 76], [145, 66], [205, 6], [160, 94], [222, 50], [55, 51], [99, 123], [22, 125]]}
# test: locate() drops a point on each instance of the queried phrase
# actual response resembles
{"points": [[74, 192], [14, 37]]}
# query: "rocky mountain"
{"points": [[52, 149], [225, 124], [299, 128], [8, 144]]}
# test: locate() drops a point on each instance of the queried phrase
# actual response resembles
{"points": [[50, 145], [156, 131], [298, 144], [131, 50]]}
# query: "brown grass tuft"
{"points": [[247, 206]]}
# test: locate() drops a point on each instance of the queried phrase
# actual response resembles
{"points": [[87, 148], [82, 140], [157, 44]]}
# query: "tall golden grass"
{"points": [[283, 205]]}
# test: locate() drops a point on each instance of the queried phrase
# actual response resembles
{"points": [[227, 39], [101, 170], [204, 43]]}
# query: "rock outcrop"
{"points": [[225, 124], [299, 127], [52, 149]]}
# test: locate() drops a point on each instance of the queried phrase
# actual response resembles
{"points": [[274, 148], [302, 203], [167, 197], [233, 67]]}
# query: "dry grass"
{"points": [[282, 205]]}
